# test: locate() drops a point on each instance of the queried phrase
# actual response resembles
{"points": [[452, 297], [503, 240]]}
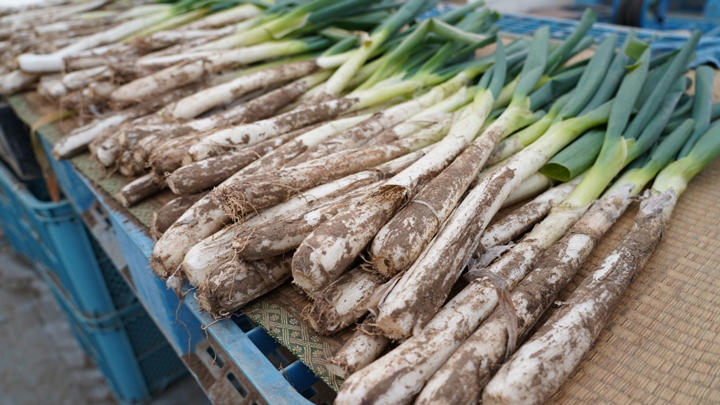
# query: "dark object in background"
{"points": [[630, 12], [663, 15], [16, 147]]}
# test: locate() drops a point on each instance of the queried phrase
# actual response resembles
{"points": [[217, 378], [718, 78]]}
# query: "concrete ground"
{"points": [[40, 360]]}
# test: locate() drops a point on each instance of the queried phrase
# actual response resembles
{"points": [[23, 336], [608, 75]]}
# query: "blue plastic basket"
{"points": [[15, 219], [271, 374], [106, 317], [663, 15], [707, 51]]}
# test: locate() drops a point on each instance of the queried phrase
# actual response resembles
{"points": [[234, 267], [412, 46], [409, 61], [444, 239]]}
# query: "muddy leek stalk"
{"points": [[275, 73], [53, 62], [500, 184], [349, 298], [225, 17], [435, 101], [562, 254], [312, 272], [265, 189], [180, 74], [394, 319], [396, 244], [478, 300], [562, 342], [191, 107], [388, 89], [401, 373], [205, 249]]}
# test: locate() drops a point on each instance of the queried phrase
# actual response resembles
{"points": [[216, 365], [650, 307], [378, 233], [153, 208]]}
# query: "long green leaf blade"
{"points": [[677, 67], [575, 158], [534, 65], [586, 21], [613, 77], [702, 106], [591, 78]]}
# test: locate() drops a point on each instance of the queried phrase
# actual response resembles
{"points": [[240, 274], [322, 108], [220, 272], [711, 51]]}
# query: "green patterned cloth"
{"points": [[279, 314]]}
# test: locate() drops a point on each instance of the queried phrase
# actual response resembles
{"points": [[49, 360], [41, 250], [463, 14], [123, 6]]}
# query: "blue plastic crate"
{"points": [[106, 317], [157, 363], [707, 51], [273, 376], [15, 146], [663, 15], [15, 219], [270, 374]]}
